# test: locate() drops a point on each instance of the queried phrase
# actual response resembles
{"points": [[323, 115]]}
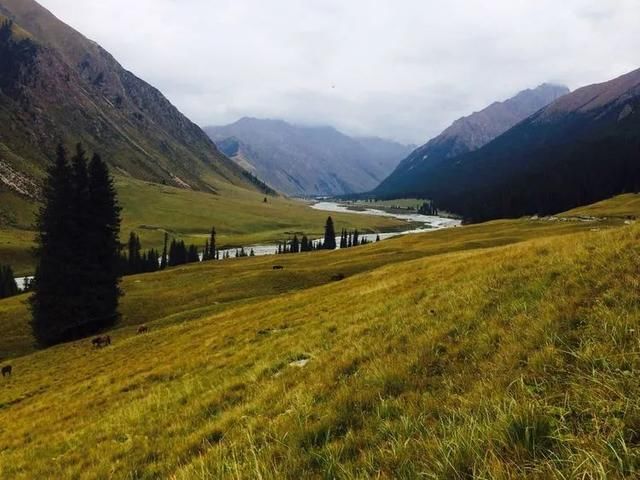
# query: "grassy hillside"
{"points": [[622, 206], [240, 216], [503, 350]]}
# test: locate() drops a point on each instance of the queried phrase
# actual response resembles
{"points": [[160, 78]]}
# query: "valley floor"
{"points": [[240, 216], [504, 350]]}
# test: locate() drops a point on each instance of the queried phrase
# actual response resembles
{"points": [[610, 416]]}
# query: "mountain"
{"points": [[465, 135], [56, 85], [302, 160], [582, 148]]}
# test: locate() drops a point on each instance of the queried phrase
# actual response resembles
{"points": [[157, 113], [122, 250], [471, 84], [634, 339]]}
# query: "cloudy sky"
{"points": [[401, 69]]}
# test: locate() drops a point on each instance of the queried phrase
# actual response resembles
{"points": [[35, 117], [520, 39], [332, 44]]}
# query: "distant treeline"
{"points": [[176, 253], [17, 59], [347, 240], [428, 208]]}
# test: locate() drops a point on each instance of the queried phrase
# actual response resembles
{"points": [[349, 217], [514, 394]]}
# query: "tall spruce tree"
{"points": [[79, 286], [212, 243], [8, 286], [329, 235], [103, 246], [49, 304], [206, 252], [193, 255], [165, 260], [134, 257], [76, 283]]}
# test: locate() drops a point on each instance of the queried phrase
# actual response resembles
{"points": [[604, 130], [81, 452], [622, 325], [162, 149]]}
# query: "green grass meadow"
{"points": [[239, 215]]}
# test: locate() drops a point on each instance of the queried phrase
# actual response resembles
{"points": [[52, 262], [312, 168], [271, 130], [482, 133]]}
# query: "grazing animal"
{"points": [[101, 341], [143, 329], [6, 370], [337, 277], [278, 267]]}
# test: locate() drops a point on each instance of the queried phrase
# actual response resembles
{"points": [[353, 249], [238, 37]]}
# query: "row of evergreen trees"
{"points": [[296, 245], [347, 240], [76, 285], [176, 253], [136, 261], [353, 239], [428, 208], [8, 286], [181, 254]]}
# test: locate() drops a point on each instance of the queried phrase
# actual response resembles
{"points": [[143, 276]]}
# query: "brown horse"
{"points": [[143, 329], [6, 370], [101, 341]]}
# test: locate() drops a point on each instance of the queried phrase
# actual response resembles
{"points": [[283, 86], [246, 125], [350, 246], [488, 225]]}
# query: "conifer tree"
{"points": [[76, 284], [134, 257], [103, 245], [49, 304], [193, 256], [329, 235], [79, 289], [212, 243], [165, 260], [8, 286]]}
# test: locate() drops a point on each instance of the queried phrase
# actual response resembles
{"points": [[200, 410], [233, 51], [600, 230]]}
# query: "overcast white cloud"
{"points": [[401, 69]]}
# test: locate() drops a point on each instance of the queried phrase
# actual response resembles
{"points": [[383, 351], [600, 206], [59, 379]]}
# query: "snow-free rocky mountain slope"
{"points": [[300, 160], [57, 85]]}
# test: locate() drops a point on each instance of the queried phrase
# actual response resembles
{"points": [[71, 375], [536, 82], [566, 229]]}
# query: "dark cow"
{"points": [[278, 267], [338, 277], [101, 341], [143, 329], [6, 370]]}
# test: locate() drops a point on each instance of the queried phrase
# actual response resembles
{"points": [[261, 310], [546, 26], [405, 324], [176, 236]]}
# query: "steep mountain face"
{"points": [[307, 160], [580, 149], [56, 85], [467, 134]]}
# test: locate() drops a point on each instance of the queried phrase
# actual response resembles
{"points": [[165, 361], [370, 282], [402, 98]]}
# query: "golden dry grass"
{"points": [[504, 350]]}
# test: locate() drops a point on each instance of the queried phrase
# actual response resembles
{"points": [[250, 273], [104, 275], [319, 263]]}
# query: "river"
{"points": [[429, 223]]}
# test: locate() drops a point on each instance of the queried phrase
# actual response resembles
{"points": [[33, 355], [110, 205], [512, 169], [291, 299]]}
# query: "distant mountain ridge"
{"points": [[69, 89], [467, 134], [580, 149], [300, 160]]}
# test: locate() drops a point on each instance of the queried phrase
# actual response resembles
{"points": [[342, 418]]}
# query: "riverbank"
{"points": [[416, 224]]}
